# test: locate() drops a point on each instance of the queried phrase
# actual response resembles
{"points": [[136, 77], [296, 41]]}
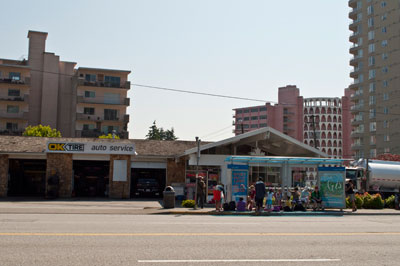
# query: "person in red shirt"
{"points": [[217, 198]]}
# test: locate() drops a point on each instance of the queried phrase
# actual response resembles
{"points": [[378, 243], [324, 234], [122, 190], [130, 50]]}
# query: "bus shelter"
{"points": [[330, 175]]}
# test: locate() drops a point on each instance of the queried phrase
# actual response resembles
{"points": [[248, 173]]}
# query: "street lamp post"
{"points": [[197, 171]]}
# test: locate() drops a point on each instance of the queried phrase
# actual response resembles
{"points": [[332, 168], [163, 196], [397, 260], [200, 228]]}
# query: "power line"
{"points": [[215, 132]]}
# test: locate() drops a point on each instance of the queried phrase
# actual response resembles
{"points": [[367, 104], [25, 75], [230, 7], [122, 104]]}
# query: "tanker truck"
{"points": [[375, 176]]}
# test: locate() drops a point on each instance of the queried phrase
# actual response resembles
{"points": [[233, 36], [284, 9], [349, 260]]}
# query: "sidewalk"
{"points": [[145, 207]]}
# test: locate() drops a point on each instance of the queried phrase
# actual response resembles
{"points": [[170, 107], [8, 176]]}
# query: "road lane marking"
{"points": [[244, 260], [200, 234]]}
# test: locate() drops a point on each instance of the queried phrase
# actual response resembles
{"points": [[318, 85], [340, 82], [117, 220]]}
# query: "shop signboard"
{"points": [[90, 147], [239, 184], [332, 186]]}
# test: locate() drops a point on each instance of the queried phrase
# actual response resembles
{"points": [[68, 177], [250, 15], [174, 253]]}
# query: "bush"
{"points": [[373, 202], [348, 204], [359, 201], [188, 203], [389, 202]]}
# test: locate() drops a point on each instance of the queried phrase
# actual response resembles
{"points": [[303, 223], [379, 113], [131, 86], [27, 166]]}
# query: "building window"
{"points": [[384, 30], [254, 126], [372, 126], [371, 60], [372, 113], [371, 73], [383, 4], [371, 48], [90, 77], [238, 112], [386, 110], [385, 69], [372, 153], [254, 118], [371, 35], [109, 129], [14, 75], [385, 124], [12, 126], [88, 127], [112, 81], [254, 110], [263, 117], [88, 110], [384, 16], [372, 100], [246, 126], [384, 43], [384, 56], [370, 22], [110, 114], [386, 96], [13, 92], [387, 150], [264, 108], [246, 118], [372, 140], [386, 137], [245, 111], [370, 10], [385, 83], [372, 87], [12, 109], [263, 125], [90, 94]]}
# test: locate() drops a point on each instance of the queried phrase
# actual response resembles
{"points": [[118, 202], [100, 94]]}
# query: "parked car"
{"points": [[148, 186]]}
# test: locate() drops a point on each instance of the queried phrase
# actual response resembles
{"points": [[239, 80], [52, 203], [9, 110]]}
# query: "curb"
{"points": [[337, 213]]}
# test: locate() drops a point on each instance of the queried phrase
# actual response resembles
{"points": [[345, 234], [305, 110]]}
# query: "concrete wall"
{"points": [[63, 165], [66, 100], [37, 45], [50, 90], [120, 189], [3, 175]]}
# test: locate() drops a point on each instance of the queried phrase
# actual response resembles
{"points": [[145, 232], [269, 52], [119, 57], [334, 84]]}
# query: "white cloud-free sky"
{"points": [[230, 47]]}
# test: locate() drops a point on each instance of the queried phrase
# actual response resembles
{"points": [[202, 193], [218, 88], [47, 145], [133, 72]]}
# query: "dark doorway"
{"points": [[147, 182], [91, 178], [27, 178]]}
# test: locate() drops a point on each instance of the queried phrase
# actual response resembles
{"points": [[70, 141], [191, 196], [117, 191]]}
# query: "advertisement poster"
{"points": [[239, 184], [332, 187]]}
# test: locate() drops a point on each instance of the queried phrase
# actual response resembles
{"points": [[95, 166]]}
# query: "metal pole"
{"points": [[197, 171]]}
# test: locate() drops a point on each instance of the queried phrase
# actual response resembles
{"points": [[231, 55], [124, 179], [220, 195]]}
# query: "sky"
{"points": [[229, 47]]}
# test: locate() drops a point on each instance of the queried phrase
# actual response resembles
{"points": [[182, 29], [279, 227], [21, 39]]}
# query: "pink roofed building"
{"points": [[321, 122]]}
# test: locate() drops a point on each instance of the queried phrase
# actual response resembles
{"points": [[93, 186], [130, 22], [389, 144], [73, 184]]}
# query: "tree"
{"points": [[109, 136], [156, 133], [41, 131]]}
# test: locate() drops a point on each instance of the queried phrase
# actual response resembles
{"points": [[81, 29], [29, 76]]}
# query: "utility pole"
{"points": [[197, 171]]}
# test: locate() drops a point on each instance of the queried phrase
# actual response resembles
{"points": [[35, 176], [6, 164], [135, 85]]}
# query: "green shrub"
{"points": [[188, 203], [348, 203], [389, 202], [373, 202], [359, 201]]}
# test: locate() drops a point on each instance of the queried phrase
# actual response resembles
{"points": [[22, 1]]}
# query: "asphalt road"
{"points": [[84, 239]]}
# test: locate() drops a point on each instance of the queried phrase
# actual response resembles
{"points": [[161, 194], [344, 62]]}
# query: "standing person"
{"points": [[201, 192], [270, 195], [251, 197], [217, 198], [260, 194], [278, 197], [350, 193]]}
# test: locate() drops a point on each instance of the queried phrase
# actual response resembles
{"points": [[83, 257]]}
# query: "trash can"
{"points": [[169, 197]]}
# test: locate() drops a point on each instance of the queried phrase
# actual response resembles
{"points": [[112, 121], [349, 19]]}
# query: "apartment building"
{"points": [[321, 122], [79, 102], [376, 60], [14, 96]]}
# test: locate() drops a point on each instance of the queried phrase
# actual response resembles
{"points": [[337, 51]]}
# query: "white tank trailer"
{"points": [[375, 176]]}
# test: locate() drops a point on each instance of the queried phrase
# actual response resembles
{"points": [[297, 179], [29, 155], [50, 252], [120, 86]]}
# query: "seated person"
{"points": [[296, 197], [316, 199], [305, 197], [241, 205]]}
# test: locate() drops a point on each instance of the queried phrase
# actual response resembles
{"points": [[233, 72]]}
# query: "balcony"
{"points": [[123, 85], [353, 13], [121, 101], [354, 48], [357, 146], [353, 3], [9, 132], [19, 116], [100, 118], [357, 133], [356, 108], [24, 98], [94, 133], [22, 81], [356, 121], [354, 60], [354, 37], [354, 74]]}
